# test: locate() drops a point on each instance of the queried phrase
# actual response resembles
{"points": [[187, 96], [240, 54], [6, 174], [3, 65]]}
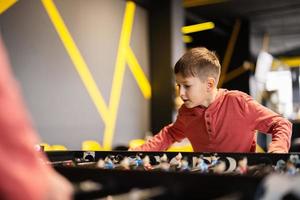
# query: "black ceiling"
{"points": [[280, 19], [246, 8]]}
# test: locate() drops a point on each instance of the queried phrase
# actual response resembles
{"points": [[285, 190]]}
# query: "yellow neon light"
{"points": [[197, 27], [5, 4], [187, 39], [292, 61], [77, 59], [138, 74], [119, 74]]}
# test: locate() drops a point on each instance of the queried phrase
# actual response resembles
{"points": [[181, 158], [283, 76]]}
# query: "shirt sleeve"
{"points": [[22, 171], [267, 121], [166, 137]]}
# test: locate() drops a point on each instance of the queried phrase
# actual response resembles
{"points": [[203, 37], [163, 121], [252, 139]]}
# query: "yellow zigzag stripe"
{"points": [[5, 4], [124, 54], [77, 59], [119, 74], [138, 73]]}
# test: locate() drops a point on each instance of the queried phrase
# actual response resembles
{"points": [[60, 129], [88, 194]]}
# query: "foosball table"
{"points": [[175, 175]]}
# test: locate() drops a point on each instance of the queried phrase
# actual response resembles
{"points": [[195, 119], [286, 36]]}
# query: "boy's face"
{"points": [[192, 90]]}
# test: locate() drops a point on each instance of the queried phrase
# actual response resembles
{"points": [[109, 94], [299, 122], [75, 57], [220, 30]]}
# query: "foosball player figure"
{"points": [[124, 164], [295, 159], [175, 163], [139, 163], [290, 168], [108, 163], [280, 166], [101, 164], [213, 161], [146, 163], [164, 165], [185, 165], [242, 167], [201, 165], [219, 167], [135, 162]]}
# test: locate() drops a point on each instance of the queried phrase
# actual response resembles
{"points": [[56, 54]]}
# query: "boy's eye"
{"points": [[186, 86]]}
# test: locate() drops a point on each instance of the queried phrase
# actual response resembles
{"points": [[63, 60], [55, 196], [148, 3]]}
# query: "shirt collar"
{"points": [[200, 109]]}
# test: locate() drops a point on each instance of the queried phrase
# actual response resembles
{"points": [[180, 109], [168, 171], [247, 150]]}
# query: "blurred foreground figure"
{"points": [[22, 171]]}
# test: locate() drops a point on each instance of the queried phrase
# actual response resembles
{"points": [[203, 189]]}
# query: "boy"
{"points": [[217, 120]]}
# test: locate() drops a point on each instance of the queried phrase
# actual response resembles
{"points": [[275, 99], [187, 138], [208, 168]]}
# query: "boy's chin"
{"points": [[189, 105]]}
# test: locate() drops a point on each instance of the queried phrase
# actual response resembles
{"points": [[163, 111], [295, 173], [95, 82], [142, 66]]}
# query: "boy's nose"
{"points": [[181, 92]]}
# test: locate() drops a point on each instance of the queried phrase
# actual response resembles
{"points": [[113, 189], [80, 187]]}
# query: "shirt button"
{"points": [[208, 123], [209, 130], [207, 116]]}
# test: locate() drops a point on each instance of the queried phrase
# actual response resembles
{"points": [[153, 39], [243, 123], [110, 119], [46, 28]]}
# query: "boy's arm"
{"points": [[281, 136], [161, 141], [267, 121], [165, 138]]}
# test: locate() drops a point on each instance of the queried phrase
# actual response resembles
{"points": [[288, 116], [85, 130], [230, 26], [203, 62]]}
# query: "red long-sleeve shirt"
{"points": [[227, 125]]}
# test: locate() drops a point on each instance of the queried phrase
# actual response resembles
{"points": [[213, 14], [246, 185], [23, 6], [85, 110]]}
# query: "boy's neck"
{"points": [[211, 98]]}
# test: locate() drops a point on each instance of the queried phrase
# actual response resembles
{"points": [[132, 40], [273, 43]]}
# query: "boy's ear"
{"points": [[211, 83]]}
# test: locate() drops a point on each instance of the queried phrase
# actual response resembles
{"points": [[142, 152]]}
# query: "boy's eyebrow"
{"points": [[183, 82]]}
